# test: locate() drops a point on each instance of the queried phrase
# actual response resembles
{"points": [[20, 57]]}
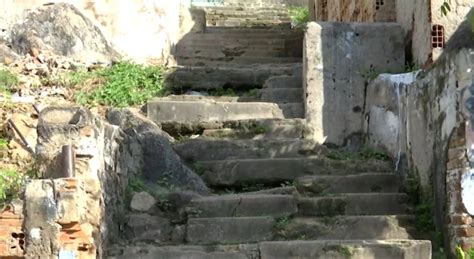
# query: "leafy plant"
{"points": [[10, 184], [461, 254], [8, 80], [123, 84], [3, 143], [299, 16], [220, 91], [445, 7]]}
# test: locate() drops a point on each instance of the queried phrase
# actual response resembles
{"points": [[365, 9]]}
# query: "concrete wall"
{"points": [[352, 10], [339, 59], [414, 118], [144, 30]]}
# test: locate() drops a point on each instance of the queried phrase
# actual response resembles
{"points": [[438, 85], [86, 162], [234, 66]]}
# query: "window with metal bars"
{"points": [[437, 36], [378, 4]]}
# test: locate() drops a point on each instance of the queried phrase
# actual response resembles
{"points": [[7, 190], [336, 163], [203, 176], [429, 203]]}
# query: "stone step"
{"points": [[217, 53], [301, 249], [236, 77], [263, 30], [355, 204], [221, 40], [208, 150], [234, 230], [292, 110], [278, 82], [226, 48], [346, 228], [210, 61], [357, 249], [164, 110], [282, 95], [241, 251], [261, 129], [250, 23], [276, 170], [234, 205], [362, 183], [229, 230]]}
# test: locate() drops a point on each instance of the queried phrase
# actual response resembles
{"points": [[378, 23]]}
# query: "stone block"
{"points": [[338, 63], [142, 201]]}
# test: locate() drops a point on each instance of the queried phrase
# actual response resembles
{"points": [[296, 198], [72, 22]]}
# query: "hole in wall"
{"points": [[437, 36]]}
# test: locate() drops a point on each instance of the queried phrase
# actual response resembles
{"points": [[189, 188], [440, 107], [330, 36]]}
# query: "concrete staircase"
{"points": [[275, 193]]}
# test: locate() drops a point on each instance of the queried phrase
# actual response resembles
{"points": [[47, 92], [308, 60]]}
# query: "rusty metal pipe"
{"points": [[68, 157], [23, 139]]}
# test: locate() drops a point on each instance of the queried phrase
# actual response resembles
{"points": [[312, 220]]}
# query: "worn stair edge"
{"points": [[355, 204], [274, 170], [362, 183], [217, 150], [357, 249], [164, 110], [243, 206]]}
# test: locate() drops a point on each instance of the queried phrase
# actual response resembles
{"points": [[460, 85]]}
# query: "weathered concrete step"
{"points": [[163, 110], [362, 183], [243, 206], [292, 110], [210, 61], [250, 24], [221, 40], [234, 230], [263, 30], [357, 249], [282, 95], [242, 76], [223, 48], [229, 230], [355, 204], [346, 228], [241, 251], [216, 53], [247, 32], [208, 150], [259, 129], [275, 170], [278, 82], [301, 249]]}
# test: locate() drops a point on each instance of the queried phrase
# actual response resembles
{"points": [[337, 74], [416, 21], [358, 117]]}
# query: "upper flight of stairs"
{"points": [[275, 193]]}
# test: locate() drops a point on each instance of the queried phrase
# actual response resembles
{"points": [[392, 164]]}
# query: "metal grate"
{"points": [[437, 36], [378, 4]]}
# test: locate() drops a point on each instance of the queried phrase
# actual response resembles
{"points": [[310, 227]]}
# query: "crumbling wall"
{"points": [[145, 31], [419, 119], [353, 10]]}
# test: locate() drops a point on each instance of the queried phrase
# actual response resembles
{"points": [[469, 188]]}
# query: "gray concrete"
{"points": [[338, 63], [282, 95], [355, 204], [284, 82], [209, 150], [363, 183], [292, 110], [237, 172], [243, 206], [163, 110], [346, 228], [400, 249], [243, 251], [242, 76], [229, 230]]}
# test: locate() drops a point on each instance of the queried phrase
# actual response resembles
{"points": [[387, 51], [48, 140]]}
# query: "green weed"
{"points": [[10, 184], [299, 16], [220, 91], [123, 84], [3, 143], [363, 154], [8, 80]]}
